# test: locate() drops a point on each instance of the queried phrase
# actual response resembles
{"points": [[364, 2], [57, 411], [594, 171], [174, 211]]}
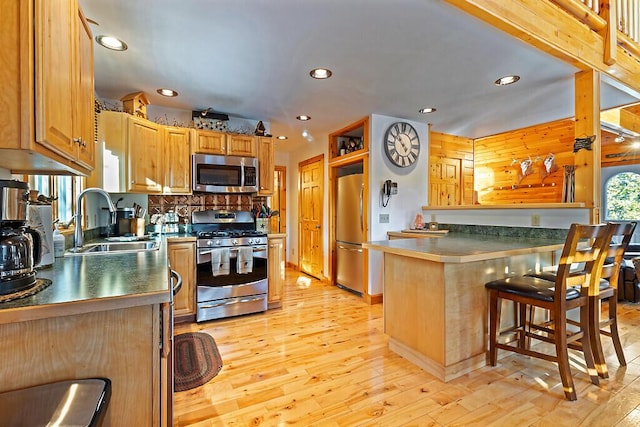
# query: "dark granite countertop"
{"points": [[83, 284], [460, 248]]}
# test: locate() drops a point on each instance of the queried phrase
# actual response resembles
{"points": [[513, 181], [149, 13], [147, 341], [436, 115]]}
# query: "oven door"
{"points": [[232, 294]]}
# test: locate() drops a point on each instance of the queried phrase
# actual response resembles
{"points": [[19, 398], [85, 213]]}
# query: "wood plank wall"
{"points": [[444, 147], [497, 170]]}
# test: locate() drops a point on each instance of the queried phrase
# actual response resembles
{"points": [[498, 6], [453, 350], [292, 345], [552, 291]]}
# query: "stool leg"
{"points": [[560, 339], [594, 337], [613, 315], [586, 340], [494, 325]]}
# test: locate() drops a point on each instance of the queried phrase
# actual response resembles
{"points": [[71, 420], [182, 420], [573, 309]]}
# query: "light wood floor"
{"points": [[323, 360]]}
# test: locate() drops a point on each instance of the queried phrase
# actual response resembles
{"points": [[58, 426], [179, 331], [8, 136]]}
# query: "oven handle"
{"points": [[255, 249], [234, 301]]}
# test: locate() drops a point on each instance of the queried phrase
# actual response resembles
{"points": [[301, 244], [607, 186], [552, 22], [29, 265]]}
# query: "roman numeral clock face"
{"points": [[402, 144]]}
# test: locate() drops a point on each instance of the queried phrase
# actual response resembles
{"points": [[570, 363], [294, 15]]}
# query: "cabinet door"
{"points": [[265, 165], [177, 161], [209, 142], [182, 259], [144, 153], [55, 75], [85, 111], [241, 145], [275, 271]]}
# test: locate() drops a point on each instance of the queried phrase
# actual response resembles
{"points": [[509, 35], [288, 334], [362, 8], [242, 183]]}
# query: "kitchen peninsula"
{"points": [[102, 316], [435, 303]]}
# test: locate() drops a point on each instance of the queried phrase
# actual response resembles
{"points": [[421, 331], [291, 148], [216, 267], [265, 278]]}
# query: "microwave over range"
{"points": [[224, 174]]}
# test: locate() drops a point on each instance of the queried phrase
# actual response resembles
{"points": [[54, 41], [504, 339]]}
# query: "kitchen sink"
{"points": [[114, 248]]}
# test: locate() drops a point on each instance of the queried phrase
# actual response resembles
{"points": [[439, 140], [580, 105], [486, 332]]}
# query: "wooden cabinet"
{"points": [[84, 115], [241, 145], [210, 142], [182, 259], [139, 156], [349, 142], [47, 76], [177, 160], [121, 344], [144, 156], [275, 270], [265, 166]]}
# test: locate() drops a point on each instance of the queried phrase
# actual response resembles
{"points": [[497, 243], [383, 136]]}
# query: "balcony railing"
{"points": [[600, 16]]}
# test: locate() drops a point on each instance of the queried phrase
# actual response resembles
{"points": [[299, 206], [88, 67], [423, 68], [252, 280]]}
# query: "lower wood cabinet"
{"points": [[181, 256], [127, 345], [276, 270]]}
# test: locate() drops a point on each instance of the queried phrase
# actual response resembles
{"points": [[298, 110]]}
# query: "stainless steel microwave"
{"points": [[224, 174]]}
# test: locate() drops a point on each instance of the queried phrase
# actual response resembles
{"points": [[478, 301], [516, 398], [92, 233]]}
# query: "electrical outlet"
{"points": [[383, 218], [535, 220]]}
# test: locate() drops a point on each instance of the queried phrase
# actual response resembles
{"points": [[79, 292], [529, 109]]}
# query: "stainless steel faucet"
{"points": [[78, 236]]}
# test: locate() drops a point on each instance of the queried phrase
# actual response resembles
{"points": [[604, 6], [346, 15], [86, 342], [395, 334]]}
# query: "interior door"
{"points": [[445, 179], [311, 195]]}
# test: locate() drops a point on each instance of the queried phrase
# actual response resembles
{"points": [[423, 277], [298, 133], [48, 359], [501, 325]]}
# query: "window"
{"points": [[63, 188], [622, 199]]}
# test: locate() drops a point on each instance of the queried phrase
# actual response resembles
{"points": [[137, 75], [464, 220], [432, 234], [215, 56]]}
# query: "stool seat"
{"points": [[531, 287], [77, 403]]}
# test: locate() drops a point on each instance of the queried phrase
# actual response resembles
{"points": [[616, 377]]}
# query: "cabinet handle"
{"points": [[76, 141]]}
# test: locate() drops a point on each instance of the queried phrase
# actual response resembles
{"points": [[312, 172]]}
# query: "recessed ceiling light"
{"points": [[282, 137], [427, 110], [112, 43], [320, 73], [507, 80], [167, 92], [303, 117]]}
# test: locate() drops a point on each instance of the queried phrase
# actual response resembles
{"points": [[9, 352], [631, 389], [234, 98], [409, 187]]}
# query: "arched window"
{"points": [[622, 199]]}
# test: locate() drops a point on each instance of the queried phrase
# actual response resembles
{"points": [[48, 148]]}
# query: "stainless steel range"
{"points": [[231, 257]]}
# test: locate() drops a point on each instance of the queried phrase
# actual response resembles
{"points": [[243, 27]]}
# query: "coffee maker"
{"points": [[20, 246]]}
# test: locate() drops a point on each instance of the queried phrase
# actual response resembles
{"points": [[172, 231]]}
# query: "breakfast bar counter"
{"points": [[435, 303]]}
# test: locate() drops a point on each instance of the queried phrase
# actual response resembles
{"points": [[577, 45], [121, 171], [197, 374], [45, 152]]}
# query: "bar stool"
{"points": [[585, 246], [77, 403], [606, 291]]}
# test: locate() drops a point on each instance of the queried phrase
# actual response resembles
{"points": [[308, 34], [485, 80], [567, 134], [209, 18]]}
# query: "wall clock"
{"points": [[402, 144]]}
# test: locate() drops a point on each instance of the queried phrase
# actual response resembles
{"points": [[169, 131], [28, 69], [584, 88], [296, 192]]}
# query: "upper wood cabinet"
{"points": [[349, 142], [265, 166], [211, 142], [241, 145], [144, 156], [47, 75], [136, 155], [84, 119], [177, 160]]}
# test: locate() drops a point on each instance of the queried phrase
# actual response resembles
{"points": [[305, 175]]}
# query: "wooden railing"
{"points": [[605, 15]]}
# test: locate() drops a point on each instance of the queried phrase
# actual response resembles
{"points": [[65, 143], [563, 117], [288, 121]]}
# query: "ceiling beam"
{"points": [[547, 27]]}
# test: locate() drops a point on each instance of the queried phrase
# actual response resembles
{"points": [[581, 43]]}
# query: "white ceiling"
{"points": [[251, 59]]}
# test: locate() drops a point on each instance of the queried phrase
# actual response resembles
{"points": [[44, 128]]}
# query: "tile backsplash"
{"points": [[186, 204]]}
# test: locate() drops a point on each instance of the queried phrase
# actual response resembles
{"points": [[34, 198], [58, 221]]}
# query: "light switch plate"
{"points": [[383, 218]]}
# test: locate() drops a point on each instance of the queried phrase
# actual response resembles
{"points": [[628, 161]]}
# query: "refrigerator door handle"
{"points": [[361, 198], [349, 249]]}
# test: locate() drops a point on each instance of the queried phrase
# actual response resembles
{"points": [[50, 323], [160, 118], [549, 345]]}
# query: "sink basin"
{"points": [[114, 248]]}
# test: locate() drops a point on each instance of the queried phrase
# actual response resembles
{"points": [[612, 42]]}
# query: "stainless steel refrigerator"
{"points": [[349, 232]]}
